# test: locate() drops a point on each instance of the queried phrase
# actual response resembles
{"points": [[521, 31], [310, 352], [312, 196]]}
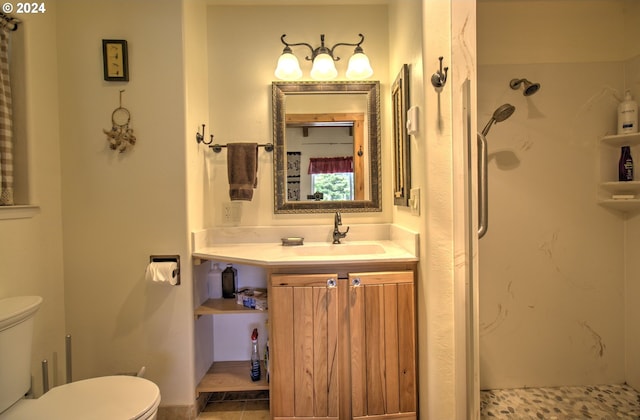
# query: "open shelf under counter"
{"points": [[224, 306], [231, 376]]}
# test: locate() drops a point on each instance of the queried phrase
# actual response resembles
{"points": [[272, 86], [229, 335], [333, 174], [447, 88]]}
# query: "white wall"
{"points": [[632, 227], [552, 273], [244, 46], [31, 249], [197, 111], [550, 31], [444, 29], [118, 209]]}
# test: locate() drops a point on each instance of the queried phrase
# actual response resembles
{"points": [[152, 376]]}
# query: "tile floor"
{"points": [[602, 402], [237, 406], [564, 403]]}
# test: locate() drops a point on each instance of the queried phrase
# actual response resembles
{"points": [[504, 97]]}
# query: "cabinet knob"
{"points": [[355, 282], [331, 283]]}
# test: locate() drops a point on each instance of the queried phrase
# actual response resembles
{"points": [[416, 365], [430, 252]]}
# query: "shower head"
{"points": [[529, 88], [502, 113]]}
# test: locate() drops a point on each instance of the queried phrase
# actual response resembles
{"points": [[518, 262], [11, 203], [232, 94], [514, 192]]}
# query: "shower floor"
{"points": [[563, 403]]}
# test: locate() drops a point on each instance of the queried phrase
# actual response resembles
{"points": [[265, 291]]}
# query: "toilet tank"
{"points": [[16, 334]]}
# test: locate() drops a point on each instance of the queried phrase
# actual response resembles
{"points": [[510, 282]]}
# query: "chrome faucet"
{"points": [[337, 235]]}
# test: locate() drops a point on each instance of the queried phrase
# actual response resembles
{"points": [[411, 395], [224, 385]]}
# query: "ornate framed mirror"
{"points": [[327, 146], [401, 144]]}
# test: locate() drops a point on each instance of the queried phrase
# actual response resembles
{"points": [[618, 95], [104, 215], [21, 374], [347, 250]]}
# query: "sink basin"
{"points": [[339, 249]]}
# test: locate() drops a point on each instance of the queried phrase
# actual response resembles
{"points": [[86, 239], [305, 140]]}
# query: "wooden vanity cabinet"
{"points": [[343, 346]]}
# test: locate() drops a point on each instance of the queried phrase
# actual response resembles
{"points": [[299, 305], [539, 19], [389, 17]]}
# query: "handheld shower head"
{"points": [[502, 113], [529, 88]]}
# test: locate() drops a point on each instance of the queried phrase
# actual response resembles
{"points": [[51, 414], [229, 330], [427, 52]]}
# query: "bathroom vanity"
{"points": [[342, 325], [343, 346]]}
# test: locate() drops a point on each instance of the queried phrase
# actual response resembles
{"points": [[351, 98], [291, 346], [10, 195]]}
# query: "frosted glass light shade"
{"points": [[359, 67], [323, 67], [288, 67]]}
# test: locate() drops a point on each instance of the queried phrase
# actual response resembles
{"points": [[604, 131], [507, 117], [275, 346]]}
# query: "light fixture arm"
{"points": [[322, 48], [358, 48], [288, 46]]}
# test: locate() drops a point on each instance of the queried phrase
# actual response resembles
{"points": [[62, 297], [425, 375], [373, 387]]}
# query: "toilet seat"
{"points": [[103, 398]]}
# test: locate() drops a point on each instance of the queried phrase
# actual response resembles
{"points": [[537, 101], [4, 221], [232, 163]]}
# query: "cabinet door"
{"points": [[382, 348], [304, 346]]}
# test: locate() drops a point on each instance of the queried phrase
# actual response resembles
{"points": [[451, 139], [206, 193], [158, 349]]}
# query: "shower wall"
{"points": [[552, 265], [632, 262]]}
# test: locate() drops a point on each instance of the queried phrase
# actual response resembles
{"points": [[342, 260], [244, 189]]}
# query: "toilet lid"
{"points": [[104, 398]]}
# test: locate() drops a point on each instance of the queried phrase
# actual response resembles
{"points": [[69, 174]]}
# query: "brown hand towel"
{"points": [[242, 170]]}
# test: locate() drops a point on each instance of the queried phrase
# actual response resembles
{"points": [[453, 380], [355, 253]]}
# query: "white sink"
{"points": [[261, 246], [338, 249]]}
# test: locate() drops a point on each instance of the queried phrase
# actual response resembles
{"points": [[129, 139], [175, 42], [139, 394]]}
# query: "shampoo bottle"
{"points": [[625, 165], [627, 115]]}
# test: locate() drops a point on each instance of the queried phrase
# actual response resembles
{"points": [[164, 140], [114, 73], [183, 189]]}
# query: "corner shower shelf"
{"points": [[233, 375], [609, 152]]}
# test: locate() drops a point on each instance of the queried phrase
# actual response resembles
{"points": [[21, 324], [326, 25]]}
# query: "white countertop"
{"points": [[262, 246], [312, 253]]}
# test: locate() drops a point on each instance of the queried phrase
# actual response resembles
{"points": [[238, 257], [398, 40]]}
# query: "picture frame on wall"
{"points": [[115, 59]]}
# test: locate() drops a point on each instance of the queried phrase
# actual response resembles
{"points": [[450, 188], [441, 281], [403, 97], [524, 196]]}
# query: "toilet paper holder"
{"points": [[168, 258]]}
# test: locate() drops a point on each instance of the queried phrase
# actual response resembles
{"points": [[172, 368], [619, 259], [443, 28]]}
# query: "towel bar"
{"points": [[218, 147]]}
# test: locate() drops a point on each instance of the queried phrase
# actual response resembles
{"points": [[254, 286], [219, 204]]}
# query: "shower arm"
{"points": [[483, 187]]}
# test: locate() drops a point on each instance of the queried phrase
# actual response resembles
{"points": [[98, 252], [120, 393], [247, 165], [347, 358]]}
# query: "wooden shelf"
{"points": [[231, 376], [223, 306]]}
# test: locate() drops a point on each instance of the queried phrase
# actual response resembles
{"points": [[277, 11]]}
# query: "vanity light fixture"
{"points": [[324, 67]]}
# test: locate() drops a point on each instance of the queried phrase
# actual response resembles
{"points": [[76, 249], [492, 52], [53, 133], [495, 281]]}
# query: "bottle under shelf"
{"points": [[231, 376]]}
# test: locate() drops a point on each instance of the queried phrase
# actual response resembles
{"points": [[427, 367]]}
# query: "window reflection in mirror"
{"points": [[326, 156]]}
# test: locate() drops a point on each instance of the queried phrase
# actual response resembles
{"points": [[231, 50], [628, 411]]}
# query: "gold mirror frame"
{"points": [[279, 92]]}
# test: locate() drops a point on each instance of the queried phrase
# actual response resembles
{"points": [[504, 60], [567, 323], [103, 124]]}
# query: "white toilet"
{"points": [[105, 398]]}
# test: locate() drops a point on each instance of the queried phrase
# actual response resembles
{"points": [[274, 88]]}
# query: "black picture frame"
{"points": [[115, 59]]}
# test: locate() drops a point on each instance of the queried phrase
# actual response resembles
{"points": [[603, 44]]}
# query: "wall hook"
{"points": [[200, 137], [439, 78]]}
